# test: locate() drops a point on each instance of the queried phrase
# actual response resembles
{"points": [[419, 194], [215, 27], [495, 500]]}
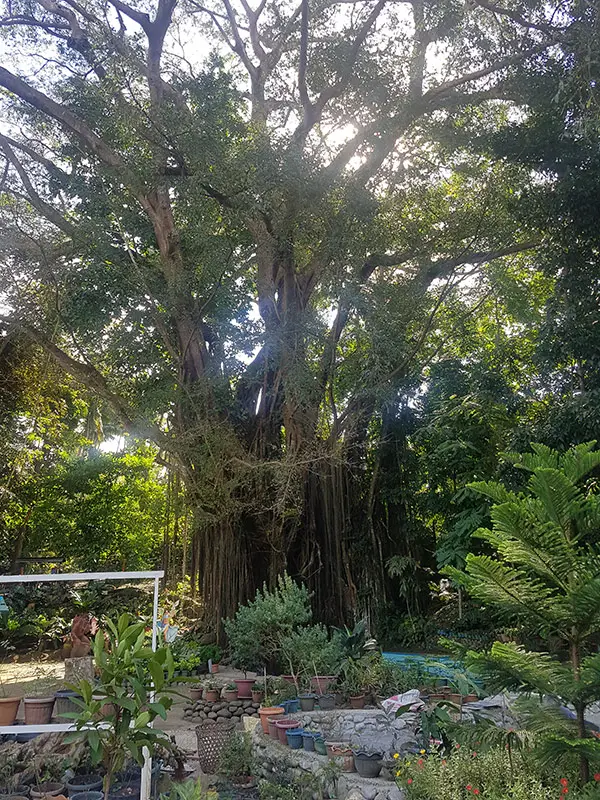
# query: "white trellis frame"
{"points": [[59, 727]]}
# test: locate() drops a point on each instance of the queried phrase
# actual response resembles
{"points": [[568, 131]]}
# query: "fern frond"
{"points": [[580, 460], [511, 667], [495, 491]]}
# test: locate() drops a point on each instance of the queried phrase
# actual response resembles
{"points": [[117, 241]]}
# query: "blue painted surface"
{"points": [[434, 665]]}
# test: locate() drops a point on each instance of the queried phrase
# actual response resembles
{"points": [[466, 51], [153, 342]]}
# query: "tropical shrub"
{"points": [[545, 575], [256, 631], [466, 774], [311, 651]]}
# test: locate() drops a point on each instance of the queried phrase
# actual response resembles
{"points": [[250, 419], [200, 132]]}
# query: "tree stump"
{"points": [[79, 669]]}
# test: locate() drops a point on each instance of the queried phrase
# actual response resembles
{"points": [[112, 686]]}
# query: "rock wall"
{"points": [[280, 764], [221, 709], [371, 729]]}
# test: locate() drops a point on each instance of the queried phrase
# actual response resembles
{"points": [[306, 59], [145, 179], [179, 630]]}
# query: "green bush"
{"points": [[466, 774], [256, 631], [236, 760], [309, 651]]}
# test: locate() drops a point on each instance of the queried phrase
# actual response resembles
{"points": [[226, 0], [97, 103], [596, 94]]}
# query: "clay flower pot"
{"points": [[341, 751], [322, 684], [38, 710], [214, 669], [358, 701], [244, 688], [211, 695], [283, 726], [265, 713], [8, 709], [257, 696], [195, 694], [230, 694], [273, 732]]}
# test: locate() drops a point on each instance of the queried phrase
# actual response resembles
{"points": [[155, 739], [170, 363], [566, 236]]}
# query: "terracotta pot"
{"points": [[8, 709], [284, 725], [214, 669], [211, 695], [230, 694], [322, 684], [341, 751], [244, 688], [265, 713], [358, 701], [470, 698], [273, 733], [257, 697], [195, 694], [38, 710]]}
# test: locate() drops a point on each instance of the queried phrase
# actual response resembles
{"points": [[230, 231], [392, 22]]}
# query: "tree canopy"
{"points": [[254, 234]]}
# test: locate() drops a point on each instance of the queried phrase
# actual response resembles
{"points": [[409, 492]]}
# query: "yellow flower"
{"points": [[398, 773], [396, 755], [422, 752]]}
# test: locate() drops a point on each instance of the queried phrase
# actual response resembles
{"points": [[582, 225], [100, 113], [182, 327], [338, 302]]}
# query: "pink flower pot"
{"points": [[283, 726]]}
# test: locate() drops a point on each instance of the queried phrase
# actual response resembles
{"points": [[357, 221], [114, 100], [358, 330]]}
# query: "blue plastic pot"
{"points": [[295, 738], [290, 706], [308, 740]]}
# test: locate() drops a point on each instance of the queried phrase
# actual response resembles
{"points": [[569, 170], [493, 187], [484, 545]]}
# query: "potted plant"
{"points": [[257, 693], [237, 762], [353, 688], [215, 659], [127, 670], [230, 692], [38, 710], [196, 692], [9, 705], [211, 691]]}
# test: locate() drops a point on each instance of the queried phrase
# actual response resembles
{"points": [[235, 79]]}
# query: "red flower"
{"points": [[564, 782], [474, 755], [457, 746], [565, 790], [597, 776], [475, 791], [468, 787], [444, 762], [420, 762], [409, 781]]}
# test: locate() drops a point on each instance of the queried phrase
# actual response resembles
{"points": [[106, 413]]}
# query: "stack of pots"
{"points": [[283, 725]]}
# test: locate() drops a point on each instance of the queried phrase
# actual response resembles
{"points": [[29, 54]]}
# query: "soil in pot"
{"points": [[368, 765], [307, 702], [8, 709], [38, 710], [326, 702], [265, 713], [358, 701], [47, 789], [244, 688]]}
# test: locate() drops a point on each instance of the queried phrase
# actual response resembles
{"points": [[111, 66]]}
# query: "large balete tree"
{"points": [[234, 226]]}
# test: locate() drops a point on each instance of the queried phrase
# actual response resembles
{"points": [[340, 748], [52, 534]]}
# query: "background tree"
{"points": [[246, 259]]}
